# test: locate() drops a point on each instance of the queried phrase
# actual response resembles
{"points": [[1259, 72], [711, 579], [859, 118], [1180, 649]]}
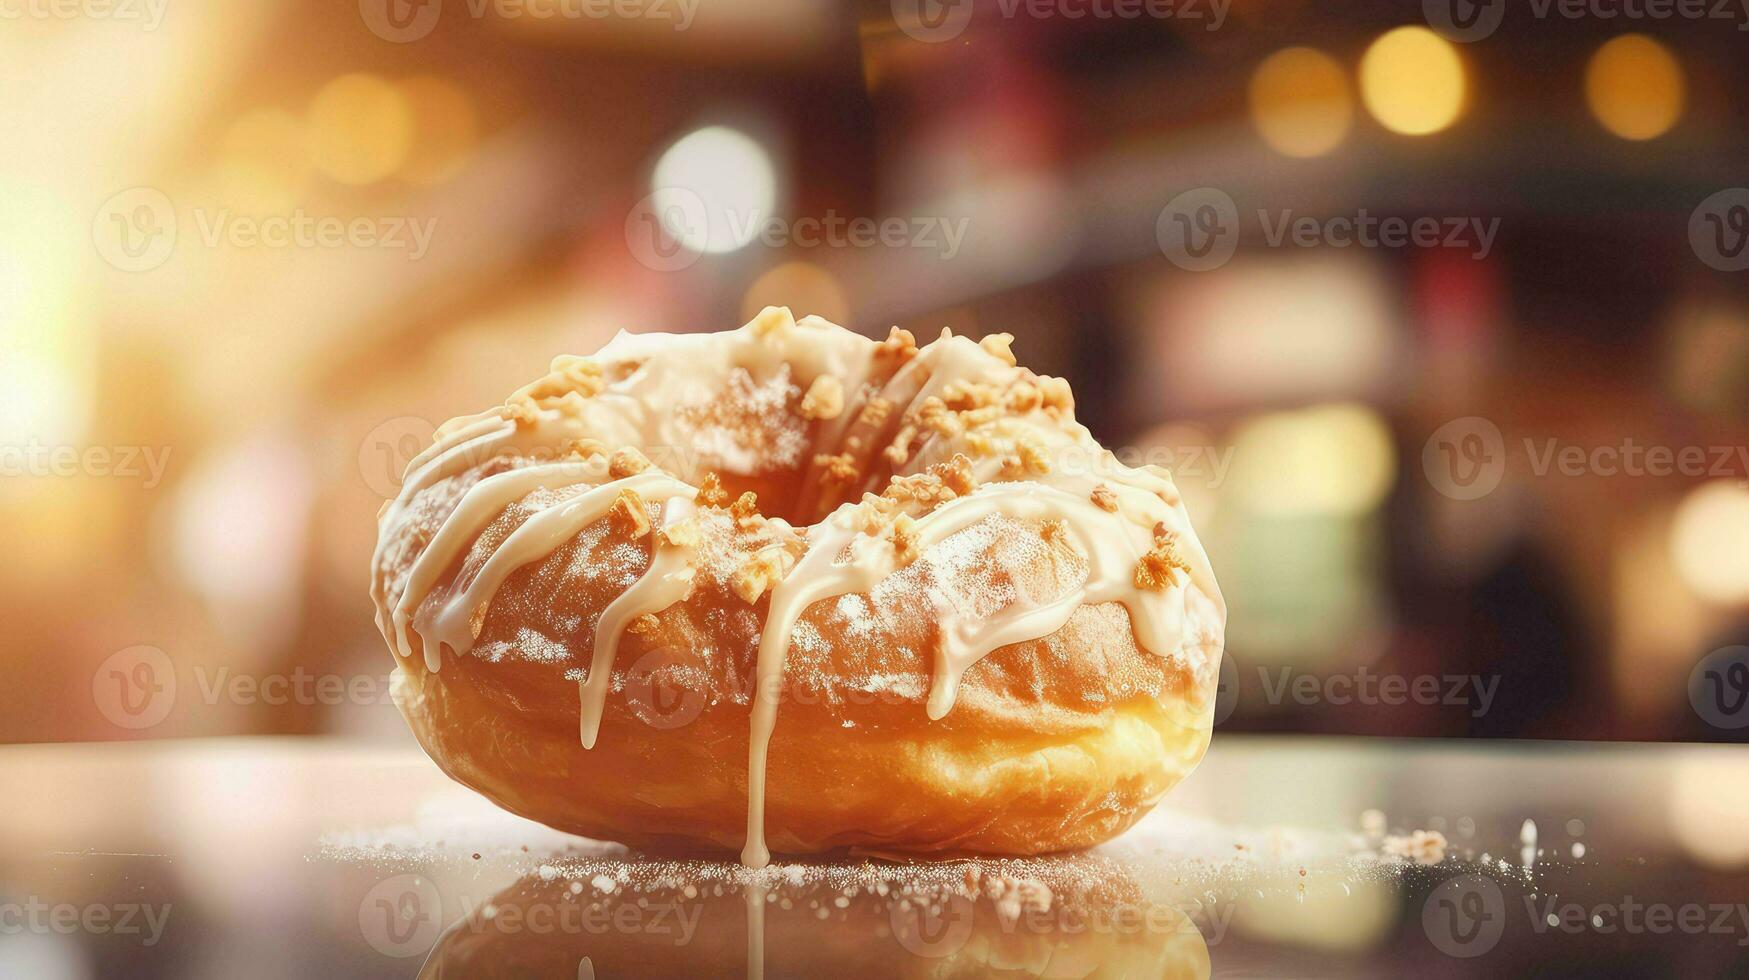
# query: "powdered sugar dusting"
{"points": [[749, 426]]}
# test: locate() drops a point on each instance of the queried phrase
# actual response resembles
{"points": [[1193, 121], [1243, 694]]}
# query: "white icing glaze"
{"points": [[665, 582], [652, 373]]}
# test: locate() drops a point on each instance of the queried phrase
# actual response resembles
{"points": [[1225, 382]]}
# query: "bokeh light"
{"points": [[445, 129], [803, 287], [361, 129], [1710, 540], [1412, 81], [1300, 102], [1635, 88], [729, 174], [1328, 460], [1707, 806], [265, 160]]}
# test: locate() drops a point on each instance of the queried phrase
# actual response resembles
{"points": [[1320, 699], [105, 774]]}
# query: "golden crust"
{"points": [[1054, 743]]}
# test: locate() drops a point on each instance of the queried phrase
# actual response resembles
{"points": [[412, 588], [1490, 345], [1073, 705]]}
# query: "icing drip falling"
{"points": [[665, 582], [1156, 616]]}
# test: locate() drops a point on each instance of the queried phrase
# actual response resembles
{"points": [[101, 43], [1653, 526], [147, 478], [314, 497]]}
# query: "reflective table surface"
{"points": [[1301, 857]]}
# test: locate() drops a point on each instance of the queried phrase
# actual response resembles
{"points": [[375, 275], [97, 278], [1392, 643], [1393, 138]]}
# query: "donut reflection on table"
{"points": [[1080, 917]]}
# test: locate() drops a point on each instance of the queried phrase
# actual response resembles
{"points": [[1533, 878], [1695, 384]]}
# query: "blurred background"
{"points": [[1437, 312]]}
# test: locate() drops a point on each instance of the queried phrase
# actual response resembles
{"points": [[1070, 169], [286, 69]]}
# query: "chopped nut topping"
{"points": [[1105, 498], [569, 375], [684, 533], [1056, 394], [1024, 397], [899, 344], [521, 409], [628, 514], [587, 448], [934, 415], [1033, 455], [1054, 530], [963, 396], [711, 492], [841, 470], [1154, 571], [1000, 346], [746, 511], [626, 462], [875, 413], [770, 319], [900, 450], [956, 474], [824, 399], [758, 574], [644, 625], [904, 539]]}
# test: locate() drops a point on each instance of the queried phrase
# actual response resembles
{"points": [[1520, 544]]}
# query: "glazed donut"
{"points": [[787, 587]]}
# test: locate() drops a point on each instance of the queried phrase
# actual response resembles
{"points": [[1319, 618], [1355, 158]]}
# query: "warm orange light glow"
{"points": [[1635, 88], [1300, 102], [1412, 81], [445, 129], [361, 129]]}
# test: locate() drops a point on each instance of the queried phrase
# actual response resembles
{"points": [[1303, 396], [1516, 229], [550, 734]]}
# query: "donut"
{"points": [[790, 588]]}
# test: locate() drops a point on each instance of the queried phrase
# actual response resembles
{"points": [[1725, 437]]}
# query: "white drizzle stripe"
{"points": [[1110, 578], [667, 581], [539, 536], [479, 506]]}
